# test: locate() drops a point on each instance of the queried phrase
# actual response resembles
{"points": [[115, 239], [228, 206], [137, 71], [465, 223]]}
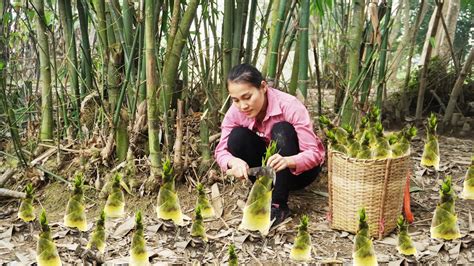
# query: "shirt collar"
{"points": [[273, 107]]}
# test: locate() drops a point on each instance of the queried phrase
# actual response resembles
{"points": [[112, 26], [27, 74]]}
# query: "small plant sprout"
{"points": [[46, 252], [26, 212], [75, 216], [168, 202], [301, 250], [115, 205], [363, 252]]}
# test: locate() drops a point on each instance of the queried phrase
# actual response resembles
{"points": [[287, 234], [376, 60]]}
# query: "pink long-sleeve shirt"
{"points": [[281, 107]]}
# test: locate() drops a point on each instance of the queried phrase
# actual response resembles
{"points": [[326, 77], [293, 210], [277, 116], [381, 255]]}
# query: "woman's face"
{"points": [[247, 98]]}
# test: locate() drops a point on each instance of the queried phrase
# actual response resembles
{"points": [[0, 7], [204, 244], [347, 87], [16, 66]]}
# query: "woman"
{"points": [[259, 114]]}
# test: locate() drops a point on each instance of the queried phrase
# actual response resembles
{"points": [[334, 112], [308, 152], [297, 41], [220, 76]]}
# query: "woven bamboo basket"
{"points": [[374, 184]]}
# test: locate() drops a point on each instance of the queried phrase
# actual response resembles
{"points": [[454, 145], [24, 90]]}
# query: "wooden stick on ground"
{"points": [[5, 176], [11, 193]]}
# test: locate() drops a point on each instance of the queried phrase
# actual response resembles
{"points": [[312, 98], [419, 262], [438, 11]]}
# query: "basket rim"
{"points": [[352, 159]]}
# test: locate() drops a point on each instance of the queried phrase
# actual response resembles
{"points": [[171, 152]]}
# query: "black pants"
{"points": [[248, 146]]}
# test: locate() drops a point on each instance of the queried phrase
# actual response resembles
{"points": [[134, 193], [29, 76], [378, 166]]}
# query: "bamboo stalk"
{"points": [[383, 57], [262, 31], [46, 131], [152, 90], [86, 62], [65, 11], [348, 112], [424, 68], [227, 47], [303, 56], [249, 43], [171, 64], [236, 35], [457, 89], [275, 42], [295, 69]]}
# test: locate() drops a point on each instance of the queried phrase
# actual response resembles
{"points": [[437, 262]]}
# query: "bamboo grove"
{"points": [[120, 70]]}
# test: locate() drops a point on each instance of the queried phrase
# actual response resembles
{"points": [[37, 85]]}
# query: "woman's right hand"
{"points": [[238, 168]]}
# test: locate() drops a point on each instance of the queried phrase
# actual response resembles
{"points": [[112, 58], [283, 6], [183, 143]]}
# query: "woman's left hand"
{"points": [[278, 162]]}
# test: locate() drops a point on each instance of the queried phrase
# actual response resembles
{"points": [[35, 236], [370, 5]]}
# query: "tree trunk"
{"points": [[46, 131], [426, 60], [458, 88]]}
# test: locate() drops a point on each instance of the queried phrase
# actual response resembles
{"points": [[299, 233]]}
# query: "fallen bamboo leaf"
{"points": [[6, 244], [181, 245], [124, 228], [436, 248], [454, 252], [216, 200], [221, 234], [396, 262], [7, 235], [152, 229]]}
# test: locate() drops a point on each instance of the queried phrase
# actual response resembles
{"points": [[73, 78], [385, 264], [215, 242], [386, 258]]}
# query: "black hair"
{"points": [[245, 73]]}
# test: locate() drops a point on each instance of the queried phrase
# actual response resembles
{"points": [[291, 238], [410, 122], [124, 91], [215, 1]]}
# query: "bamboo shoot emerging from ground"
{"points": [[46, 252], [301, 250], [430, 155], [444, 224], [405, 244], [97, 239], [207, 211], [138, 252], [256, 215], [26, 212], [115, 205], [232, 256], [168, 202], [468, 188], [198, 229], [363, 253], [75, 216], [401, 144]]}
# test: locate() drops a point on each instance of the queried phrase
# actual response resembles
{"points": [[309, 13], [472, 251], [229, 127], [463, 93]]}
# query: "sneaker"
{"points": [[279, 213]]}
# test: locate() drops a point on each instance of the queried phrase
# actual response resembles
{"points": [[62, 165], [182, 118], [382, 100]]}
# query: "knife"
{"points": [[258, 171], [262, 170]]}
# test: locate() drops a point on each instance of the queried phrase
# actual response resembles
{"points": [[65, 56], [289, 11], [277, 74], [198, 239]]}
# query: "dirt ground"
{"points": [[169, 244]]}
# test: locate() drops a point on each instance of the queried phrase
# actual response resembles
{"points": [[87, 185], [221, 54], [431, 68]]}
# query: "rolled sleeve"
{"points": [[222, 155], [312, 150]]}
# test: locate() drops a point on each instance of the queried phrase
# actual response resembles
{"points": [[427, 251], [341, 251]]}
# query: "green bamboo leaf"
{"points": [[432, 42], [49, 17]]}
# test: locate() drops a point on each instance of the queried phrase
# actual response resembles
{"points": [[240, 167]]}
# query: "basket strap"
{"points": [[384, 197]]}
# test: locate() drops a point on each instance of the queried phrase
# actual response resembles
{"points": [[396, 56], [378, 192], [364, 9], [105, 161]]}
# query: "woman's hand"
{"points": [[278, 162], [238, 168]]}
